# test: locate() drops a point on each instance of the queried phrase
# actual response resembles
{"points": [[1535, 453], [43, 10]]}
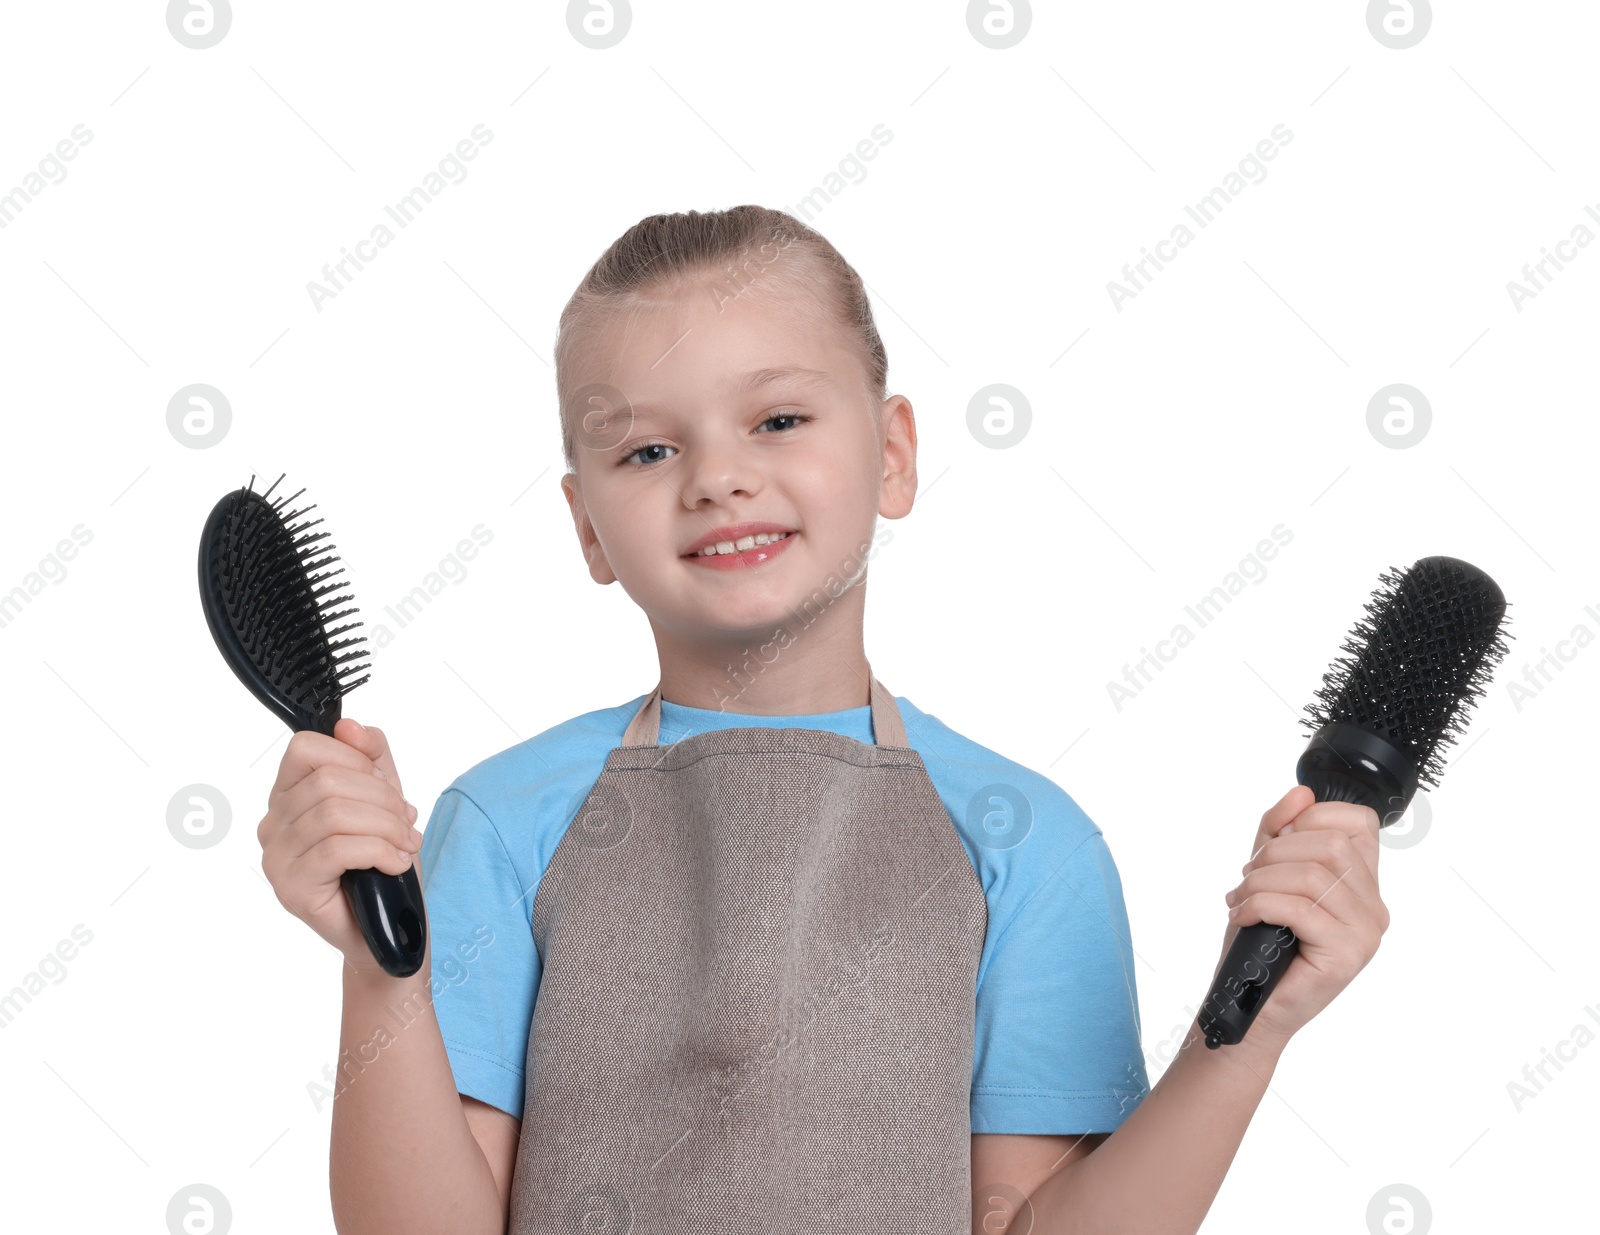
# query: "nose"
{"points": [[723, 465]]}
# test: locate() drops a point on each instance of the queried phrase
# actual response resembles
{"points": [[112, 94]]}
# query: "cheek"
{"points": [[842, 462], [838, 503], [640, 541], [825, 494]]}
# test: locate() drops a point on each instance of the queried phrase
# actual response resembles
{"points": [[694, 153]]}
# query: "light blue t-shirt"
{"points": [[1056, 1041]]}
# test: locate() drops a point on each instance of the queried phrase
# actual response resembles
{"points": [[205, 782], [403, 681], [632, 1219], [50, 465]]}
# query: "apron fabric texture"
{"points": [[756, 1008]]}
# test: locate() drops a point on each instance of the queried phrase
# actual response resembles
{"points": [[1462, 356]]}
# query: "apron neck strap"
{"points": [[887, 728]]}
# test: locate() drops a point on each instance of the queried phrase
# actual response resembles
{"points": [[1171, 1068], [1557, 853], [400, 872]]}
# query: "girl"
{"points": [[767, 946]]}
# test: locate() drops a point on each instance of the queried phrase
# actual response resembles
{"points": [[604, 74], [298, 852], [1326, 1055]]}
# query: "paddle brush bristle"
{"points": [[272, 605], [1418, 661]]}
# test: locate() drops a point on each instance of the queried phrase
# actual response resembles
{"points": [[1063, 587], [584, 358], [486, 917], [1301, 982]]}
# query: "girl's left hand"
{"points": [[1314, 870]]}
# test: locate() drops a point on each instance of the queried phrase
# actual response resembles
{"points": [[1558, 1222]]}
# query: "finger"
{"points": [[343, 817], [1351, 817], [308, 751], [1310, 923], [332, 781], [1334, 847], [1358, 823], [371, 742], [1334, 891], [1286, 808], [325, 863]]}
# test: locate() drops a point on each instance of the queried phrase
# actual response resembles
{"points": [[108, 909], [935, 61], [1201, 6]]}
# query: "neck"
{"points": [[792, 668]]}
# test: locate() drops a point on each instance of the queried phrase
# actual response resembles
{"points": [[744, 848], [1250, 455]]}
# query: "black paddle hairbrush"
{"points": [[1413, 668], [271, 607]]}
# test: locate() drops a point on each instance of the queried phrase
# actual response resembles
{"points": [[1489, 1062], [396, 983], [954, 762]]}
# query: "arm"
{"points": [[1009, 1167], [1314, 868], [403, 1156], [1159, 1172], [498, 1135]]}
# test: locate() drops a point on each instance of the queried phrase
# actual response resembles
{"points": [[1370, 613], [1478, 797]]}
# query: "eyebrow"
{"points": [[787, 373], [797, 375]]}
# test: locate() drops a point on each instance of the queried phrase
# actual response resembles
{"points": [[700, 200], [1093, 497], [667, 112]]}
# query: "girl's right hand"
{"points": [[337, 805]]}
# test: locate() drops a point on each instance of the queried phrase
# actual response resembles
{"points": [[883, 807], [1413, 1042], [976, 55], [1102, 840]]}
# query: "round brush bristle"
{"points": [[1419, 660], [283, 602]]}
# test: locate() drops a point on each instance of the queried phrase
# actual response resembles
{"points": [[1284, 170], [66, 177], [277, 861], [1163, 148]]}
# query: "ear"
{"points": [[593, 553], [899, 458]]}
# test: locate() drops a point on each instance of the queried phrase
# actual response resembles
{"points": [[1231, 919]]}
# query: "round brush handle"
{"points": [[1343, 763], [1258, 957], [1261, 952]]}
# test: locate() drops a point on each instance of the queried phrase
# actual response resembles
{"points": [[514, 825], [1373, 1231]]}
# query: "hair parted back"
{"points": [[745, 247]]}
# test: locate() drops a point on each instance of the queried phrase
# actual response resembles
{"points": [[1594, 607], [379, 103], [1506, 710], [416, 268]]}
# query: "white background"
{"points": [[1167, 439]]}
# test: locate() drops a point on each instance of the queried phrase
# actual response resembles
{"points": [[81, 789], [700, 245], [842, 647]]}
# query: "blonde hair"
{"points": [[749, 246]]}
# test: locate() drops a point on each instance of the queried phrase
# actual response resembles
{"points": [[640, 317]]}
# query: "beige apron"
{"points": [[760, 953]]}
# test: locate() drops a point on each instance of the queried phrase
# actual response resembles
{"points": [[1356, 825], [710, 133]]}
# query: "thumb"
{"points": [[371, 742], [1279, 815], [1273, 822]]}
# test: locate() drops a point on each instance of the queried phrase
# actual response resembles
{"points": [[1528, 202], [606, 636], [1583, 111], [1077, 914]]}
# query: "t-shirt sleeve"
{"points": [[484, 962], [1057, 1048]]}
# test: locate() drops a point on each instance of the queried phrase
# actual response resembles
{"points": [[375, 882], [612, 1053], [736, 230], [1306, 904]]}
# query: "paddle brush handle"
{"points": [[387, 908]]}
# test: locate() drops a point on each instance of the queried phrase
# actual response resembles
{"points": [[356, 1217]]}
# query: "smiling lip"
{"points": [[733, 532], [756, 555]]}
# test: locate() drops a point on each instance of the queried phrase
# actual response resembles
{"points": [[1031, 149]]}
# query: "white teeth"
{"points": [[743, 543]]}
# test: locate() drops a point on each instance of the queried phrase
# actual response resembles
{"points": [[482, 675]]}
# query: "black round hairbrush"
{"points": [[1413, 667], [271, 605]]}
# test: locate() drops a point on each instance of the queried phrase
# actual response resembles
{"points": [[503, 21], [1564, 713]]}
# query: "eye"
{"points": [[632, 457], [798, 417], [639, 450]]}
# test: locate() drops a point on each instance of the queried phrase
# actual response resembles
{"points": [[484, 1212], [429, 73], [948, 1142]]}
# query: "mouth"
{"points": [[751, 549]]}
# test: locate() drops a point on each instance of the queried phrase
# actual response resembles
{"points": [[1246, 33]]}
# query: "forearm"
{"points": [[1158, 1173], [402, 1158]]}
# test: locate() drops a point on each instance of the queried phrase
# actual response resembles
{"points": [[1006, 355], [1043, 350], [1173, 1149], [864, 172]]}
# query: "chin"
{"points": [[752, 618]]}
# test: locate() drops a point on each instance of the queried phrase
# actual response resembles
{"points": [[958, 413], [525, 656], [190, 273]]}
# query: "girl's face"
{"points": [[704, 412]]}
